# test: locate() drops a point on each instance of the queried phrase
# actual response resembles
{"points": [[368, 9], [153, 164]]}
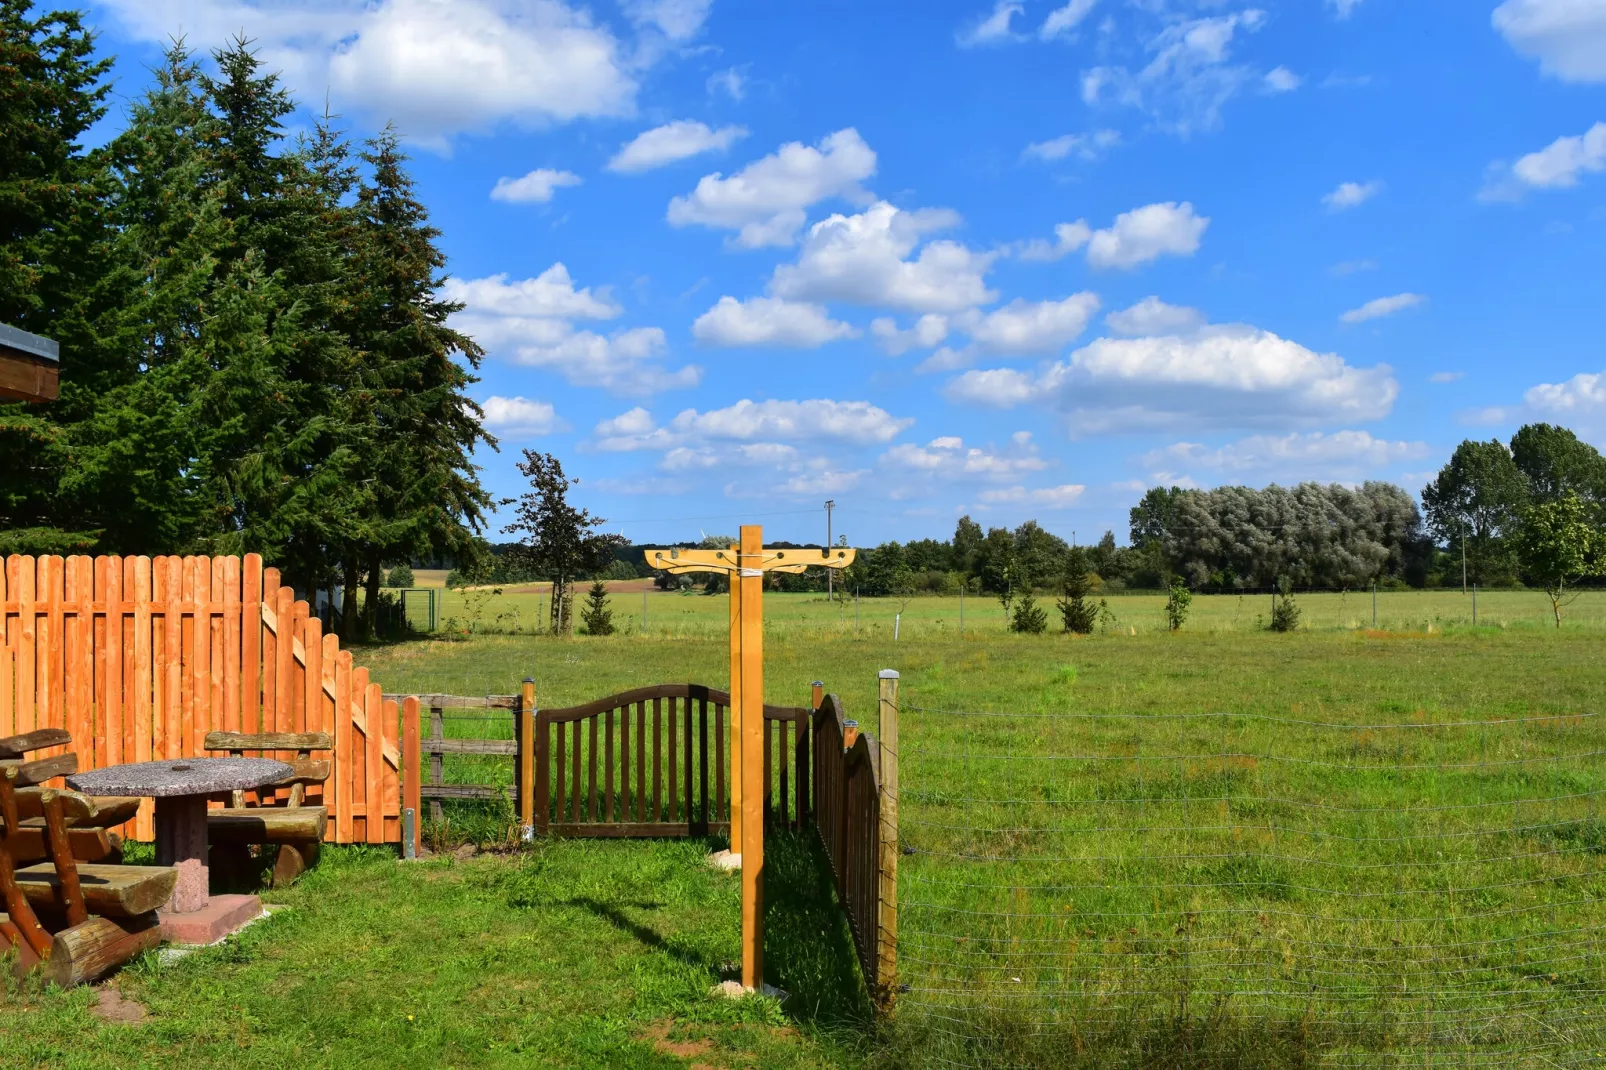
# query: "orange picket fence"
{"points": [[139, 658]]}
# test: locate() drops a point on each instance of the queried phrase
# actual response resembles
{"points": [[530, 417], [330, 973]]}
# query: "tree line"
{"points": [[253, 356], [1531, 512]]}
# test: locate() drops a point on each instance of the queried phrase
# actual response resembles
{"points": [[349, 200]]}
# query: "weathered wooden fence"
{"points": [[647, 762], [139, 658], [856, 812]]}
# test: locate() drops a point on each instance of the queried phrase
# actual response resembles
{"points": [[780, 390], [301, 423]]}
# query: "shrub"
{"points": [[1029, 617], [400, 576], [1284, 613], [1176, 605], [597, 616], [1078, 613]]}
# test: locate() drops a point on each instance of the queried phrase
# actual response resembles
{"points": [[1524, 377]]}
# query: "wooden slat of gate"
{"points": [[591, 773], [609, 810], [655, 812]]}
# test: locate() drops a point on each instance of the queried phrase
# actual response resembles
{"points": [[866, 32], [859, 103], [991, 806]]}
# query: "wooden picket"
{"points": [[139, 658]]}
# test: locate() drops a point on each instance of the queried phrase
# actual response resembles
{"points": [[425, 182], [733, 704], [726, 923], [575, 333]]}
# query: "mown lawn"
{"points": [[571, 954]]}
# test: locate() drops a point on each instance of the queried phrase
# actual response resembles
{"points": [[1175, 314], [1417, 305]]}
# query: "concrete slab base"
{"points": [[735, 990], [171, 953], [726, 860], [222, 915]]}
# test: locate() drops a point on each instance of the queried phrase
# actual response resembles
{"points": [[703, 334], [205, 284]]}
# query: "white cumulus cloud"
{"points": [[1567, 37], [1312, 455], [948, 458], [1379, 307], [670, 142], [1147, 233], [1231, 375], [865, 259], [436, 67], [927, 331], [1061, 497], [1558, 165], [766, 202], [1068, 237], [536, 187], [1350, 194], [550, 294], [1153, 316], [857, 422], [530, 322], [519, 417], [1033, 327], [768, 321]]}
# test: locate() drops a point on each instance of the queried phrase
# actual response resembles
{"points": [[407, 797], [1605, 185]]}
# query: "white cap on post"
{"points": [[889, 674]]}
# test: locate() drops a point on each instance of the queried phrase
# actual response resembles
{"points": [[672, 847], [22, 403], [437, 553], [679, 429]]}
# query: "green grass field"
{"points": [[694, 614], [1157, 819]]}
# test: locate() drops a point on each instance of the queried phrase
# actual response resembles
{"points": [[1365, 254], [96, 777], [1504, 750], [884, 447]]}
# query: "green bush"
{"points": [[1029, 617], [1177, 603], [400, 576], [1284, 613]]}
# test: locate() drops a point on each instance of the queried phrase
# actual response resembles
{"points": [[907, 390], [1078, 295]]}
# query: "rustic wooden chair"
{"points": [[296, 828], [90, 838], [102, 915]]}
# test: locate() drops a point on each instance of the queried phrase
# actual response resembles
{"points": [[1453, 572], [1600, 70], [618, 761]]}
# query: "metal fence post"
{"points": [[887, 898]]}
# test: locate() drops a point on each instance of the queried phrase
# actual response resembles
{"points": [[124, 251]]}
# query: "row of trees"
{"points": [[253, 357], [1531, 512]]}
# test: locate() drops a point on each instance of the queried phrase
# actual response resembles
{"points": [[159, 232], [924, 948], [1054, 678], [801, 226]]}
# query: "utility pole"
{"points": [[1463, 557], [830, 573]]}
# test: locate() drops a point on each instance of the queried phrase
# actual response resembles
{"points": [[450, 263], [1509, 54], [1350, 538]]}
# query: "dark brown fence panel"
{"points": [[847, 806]]}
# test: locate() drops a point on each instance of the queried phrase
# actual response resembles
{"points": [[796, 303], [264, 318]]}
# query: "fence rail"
{"points": [[138, 658]]}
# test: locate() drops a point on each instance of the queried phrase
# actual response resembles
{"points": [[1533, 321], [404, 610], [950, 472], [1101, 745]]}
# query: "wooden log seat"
{"points": [[102, 915], [296, 828]]}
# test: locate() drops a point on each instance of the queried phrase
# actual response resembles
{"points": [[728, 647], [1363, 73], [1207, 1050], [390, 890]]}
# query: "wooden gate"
{"points": [[653, 762]]}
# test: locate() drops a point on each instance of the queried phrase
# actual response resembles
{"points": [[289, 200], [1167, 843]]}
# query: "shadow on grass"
{"points": [[808, 948], [649, 937]]}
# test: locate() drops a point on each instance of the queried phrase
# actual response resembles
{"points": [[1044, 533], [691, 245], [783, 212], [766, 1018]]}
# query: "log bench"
{"points": [[101, 915], [90, 835], [297, 829]]}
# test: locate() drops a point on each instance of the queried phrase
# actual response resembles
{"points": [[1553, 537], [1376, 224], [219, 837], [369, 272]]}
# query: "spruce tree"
{"points": [[427, 499], [597, 616], [52, 234]]}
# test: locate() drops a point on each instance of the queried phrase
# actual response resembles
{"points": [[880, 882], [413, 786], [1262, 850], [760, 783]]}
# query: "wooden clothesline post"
{"points": [[746, 564]]}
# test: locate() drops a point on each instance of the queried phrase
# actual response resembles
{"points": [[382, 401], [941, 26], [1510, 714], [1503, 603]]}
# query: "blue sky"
{"points": [[1012, 259]]}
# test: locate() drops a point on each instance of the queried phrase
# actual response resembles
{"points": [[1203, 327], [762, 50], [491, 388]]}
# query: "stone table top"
{"points": [[180, 776]]}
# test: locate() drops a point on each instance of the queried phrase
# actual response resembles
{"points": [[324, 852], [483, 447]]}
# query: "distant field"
{"points": [[694, 613]]}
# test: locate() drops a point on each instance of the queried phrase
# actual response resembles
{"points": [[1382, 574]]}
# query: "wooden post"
{"points": [[750, 576], [887, 899], [437, 730], [412, 770], [526, 734], [735, 710]]}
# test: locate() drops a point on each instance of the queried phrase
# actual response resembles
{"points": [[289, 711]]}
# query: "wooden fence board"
{"points": [[138, 659]]}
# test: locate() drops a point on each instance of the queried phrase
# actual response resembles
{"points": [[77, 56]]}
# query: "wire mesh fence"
{"points": [[1401, 893]]}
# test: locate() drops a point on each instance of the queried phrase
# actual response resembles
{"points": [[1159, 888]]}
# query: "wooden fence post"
{"points": [[887, 899], [526, 736], [412, 770]]}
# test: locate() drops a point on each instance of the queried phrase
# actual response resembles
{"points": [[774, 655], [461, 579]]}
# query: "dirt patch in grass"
{"points": [[111, 1006], [659, 1035]]}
